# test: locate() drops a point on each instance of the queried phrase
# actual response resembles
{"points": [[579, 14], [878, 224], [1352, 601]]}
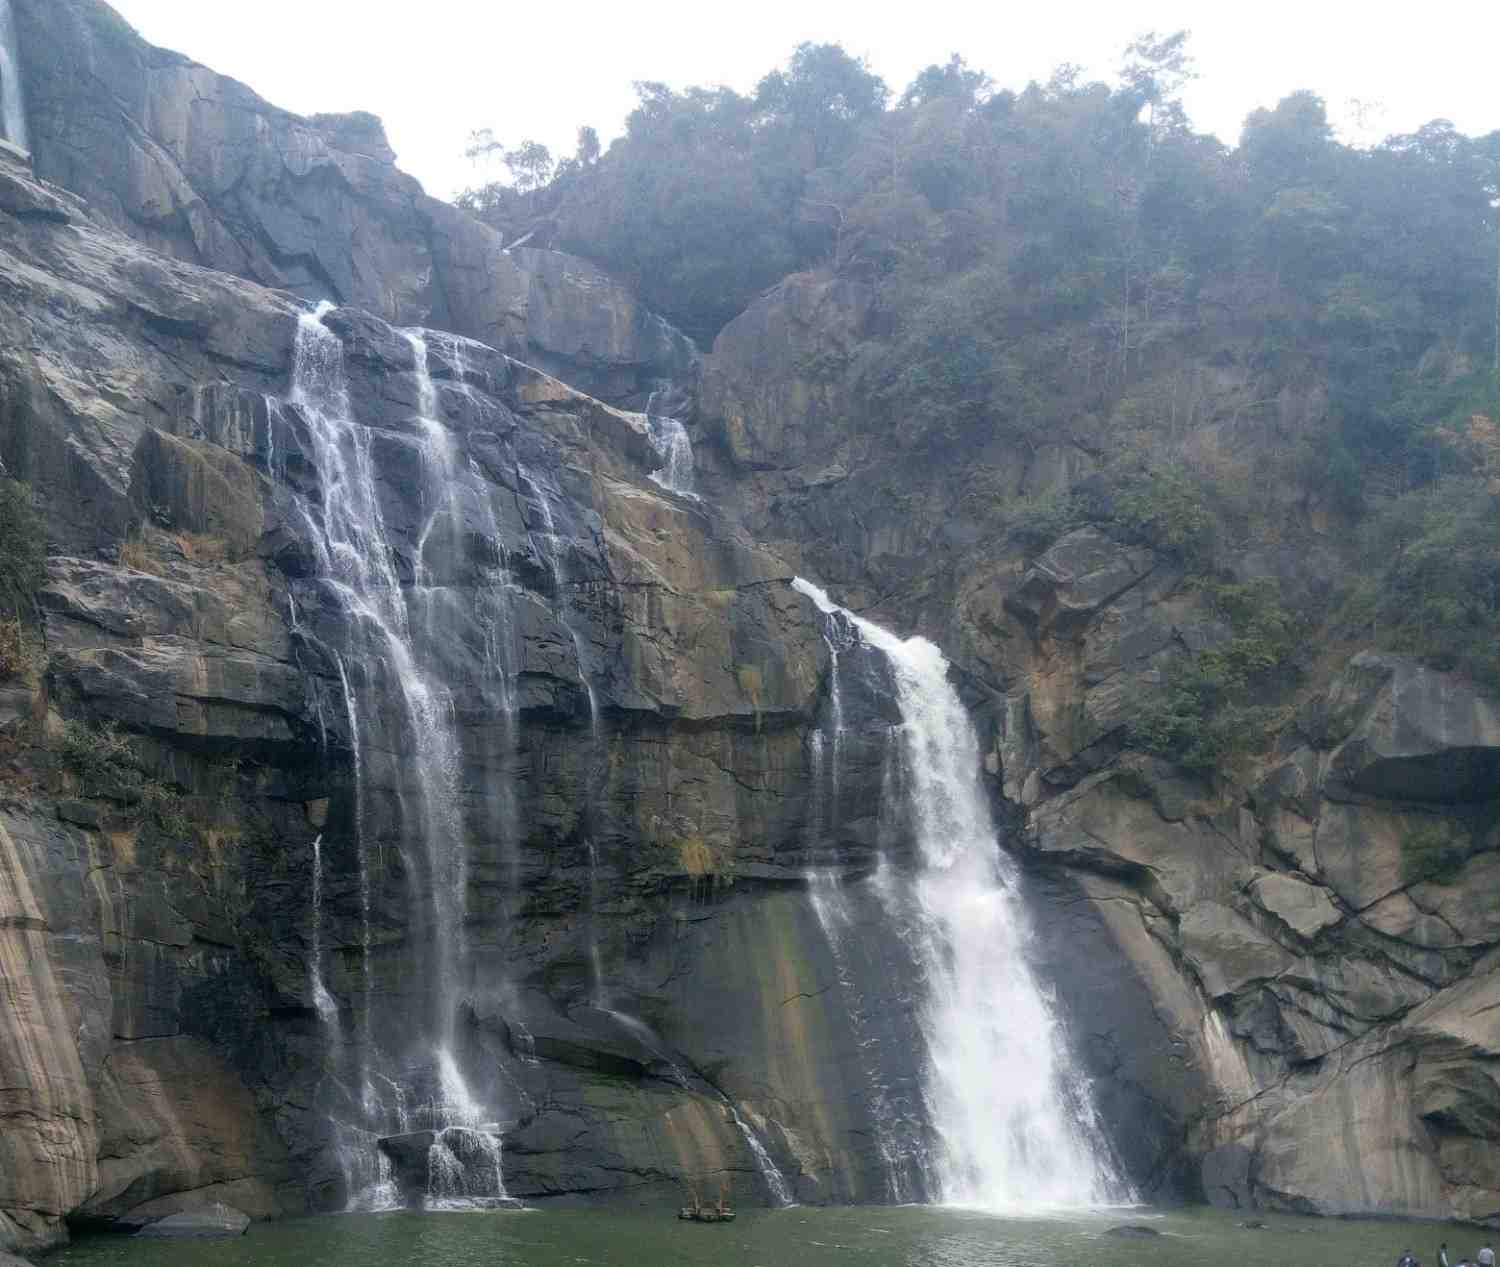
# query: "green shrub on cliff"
{"points": [[1434, 852], [1206, 710], [101, 755], [1430, 581], [97, 752], [1035, 523], [18, 654], [1169, 510], [1189, 722]]}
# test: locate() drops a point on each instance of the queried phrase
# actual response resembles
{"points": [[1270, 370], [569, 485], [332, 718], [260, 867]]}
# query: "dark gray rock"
{"points": [[197, 166], [216, 1221], [765, 413], [1407, 732]]}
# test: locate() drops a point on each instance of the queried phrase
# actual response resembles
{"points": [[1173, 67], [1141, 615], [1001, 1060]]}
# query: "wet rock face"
{"points": [[171, 1040]]}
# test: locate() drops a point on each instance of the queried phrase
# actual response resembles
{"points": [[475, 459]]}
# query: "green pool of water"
{"points": [[908, 1236]]}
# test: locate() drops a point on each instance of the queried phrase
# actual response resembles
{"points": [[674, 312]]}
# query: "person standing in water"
{"points": [[1486, 1256], [1443, 1255], [1408, 1259]]}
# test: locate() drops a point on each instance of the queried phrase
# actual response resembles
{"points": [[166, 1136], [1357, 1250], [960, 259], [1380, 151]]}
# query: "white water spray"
{"points": [[1015, 1127], [328, 1011], [670, 440]]}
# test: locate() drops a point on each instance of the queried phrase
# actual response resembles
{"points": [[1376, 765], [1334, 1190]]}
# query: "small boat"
{"points": [[700, 1213], [705, 1214]]}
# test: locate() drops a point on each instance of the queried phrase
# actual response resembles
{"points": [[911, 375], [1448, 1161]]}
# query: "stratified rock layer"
{"points": [[1284, 984], [163, 1031]]}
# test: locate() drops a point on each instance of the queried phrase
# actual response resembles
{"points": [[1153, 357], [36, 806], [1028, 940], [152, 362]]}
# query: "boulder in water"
{"points": [[1133, 1231], [210, 1221]]}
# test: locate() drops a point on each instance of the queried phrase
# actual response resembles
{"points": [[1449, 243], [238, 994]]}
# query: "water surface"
{"points": [[903, 1236]]}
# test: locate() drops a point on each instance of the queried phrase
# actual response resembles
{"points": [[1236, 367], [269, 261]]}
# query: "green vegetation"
{"points": [[96, 752], [1253, 345], [1205, 713], [1169, 508], [18, 654], [100, 754], [1429, 583], [1435, 852], [1036, 253]]}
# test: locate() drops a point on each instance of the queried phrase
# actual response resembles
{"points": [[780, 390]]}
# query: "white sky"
{"points": [[434, 70]]}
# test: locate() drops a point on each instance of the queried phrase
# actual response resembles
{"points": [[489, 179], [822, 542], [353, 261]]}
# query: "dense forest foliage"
{"points": [[1075, 258]]}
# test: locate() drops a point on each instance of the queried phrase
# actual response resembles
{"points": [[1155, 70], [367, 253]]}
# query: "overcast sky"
{"points": [[435, 70]]}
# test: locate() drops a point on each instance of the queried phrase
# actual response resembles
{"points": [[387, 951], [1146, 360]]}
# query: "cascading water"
{"points": [[412, 751], [774, 1180], [12, 102], [328, 1010], [670, 440], [1014, 1125]]}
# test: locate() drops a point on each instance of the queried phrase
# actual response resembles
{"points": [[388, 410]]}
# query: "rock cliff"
{"points": [[216, 923], [196, 166], [186, 750], [1311, 934]]}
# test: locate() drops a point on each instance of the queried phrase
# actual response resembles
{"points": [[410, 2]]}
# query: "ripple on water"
{"points": [[887, 1236]]}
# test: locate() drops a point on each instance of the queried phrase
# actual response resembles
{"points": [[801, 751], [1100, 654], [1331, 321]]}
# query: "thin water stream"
{"points": [[12, 102], [670, 440]]}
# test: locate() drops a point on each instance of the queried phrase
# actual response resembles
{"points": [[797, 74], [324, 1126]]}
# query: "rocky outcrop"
{"points": [[1242, 955], [1294, 936], [773, 386], [50, 1137], [196, 166], [211, 1221]]}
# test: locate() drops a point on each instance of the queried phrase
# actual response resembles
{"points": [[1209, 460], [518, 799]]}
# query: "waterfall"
{"points": [[465, 1160], [12, 102], [1014, 1124], [394, 636], [770, 1174], [328, 1010], [670, 440]]}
